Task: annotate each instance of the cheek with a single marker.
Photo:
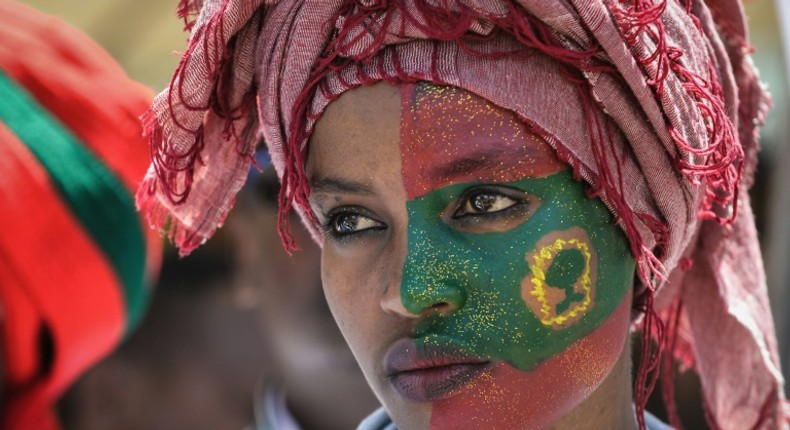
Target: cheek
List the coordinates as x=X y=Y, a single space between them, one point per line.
x=353 y=295
x=508 y=398
x=528 y=294
x=340 y=283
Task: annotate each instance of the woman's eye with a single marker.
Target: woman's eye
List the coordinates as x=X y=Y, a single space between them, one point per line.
x=485 y=202
x=349 y=223
x=490 y=208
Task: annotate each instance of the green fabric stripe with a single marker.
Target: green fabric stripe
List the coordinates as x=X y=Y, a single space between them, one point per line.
x=95 y=196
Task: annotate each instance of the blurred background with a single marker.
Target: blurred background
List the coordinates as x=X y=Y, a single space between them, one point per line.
x=238 y=335
x=195 y=361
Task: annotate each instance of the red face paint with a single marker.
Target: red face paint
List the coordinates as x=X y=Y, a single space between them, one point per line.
x=508 y=398
x=451 y=136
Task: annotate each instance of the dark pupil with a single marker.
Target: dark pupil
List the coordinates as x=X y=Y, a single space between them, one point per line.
x=346 y=223
x=483 y=202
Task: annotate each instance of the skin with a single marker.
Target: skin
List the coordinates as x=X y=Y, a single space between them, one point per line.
x=450 y=225
x=310 y=360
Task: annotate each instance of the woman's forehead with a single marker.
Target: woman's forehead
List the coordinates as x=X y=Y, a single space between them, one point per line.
x=356 y=140
x=450 y=135
x=439 y=134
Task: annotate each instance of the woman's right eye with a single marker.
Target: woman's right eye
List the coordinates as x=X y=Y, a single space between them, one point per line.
x=347 y=223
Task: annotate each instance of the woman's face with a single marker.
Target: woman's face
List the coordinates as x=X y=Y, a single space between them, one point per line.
x=473 y=278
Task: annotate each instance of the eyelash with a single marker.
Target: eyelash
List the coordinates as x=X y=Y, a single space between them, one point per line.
x=333 y=216
x=520 y=205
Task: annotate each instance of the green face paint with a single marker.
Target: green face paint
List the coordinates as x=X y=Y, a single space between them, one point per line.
x=496 y=279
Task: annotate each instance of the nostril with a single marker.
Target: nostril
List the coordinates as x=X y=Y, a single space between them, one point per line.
x=414 y=302
x=392 y=304
x=443 y=299
x=443 y=308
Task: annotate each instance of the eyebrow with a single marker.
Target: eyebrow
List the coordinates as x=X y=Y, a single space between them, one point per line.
x=336 y=185
x=469 y=164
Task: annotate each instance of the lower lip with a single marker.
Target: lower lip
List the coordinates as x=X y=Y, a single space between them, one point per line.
x=436 y=383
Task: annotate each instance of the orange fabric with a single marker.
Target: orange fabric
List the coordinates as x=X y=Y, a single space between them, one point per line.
x=49 y=280
x=88 y=84
x=19 y=335
x=74 y=79
x=52 y=274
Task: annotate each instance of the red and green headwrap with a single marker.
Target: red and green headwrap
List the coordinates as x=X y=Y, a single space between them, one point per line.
x=76 y=262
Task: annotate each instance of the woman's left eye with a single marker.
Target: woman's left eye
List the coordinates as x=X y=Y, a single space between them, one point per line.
x=484 y=202
x=490 y=208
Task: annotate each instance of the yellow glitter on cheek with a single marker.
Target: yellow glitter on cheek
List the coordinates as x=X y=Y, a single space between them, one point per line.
x=588 y=375
x=543 y=299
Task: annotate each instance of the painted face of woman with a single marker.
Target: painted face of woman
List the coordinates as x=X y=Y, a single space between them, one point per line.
x=475 y=281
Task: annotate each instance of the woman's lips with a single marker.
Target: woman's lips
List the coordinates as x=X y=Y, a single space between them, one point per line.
x=430 y=372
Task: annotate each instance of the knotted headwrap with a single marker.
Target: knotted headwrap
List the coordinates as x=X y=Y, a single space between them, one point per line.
x=76 y=260
x=654 y=103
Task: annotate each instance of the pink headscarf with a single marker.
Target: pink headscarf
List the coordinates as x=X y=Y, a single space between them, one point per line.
x=660 y=108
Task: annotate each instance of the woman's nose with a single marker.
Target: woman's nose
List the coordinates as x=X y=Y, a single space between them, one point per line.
x=433 y=278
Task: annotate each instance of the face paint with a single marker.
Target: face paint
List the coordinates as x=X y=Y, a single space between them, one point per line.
x=539 y=297
x=507 y=398
x=451 y=136
x=527 y=293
